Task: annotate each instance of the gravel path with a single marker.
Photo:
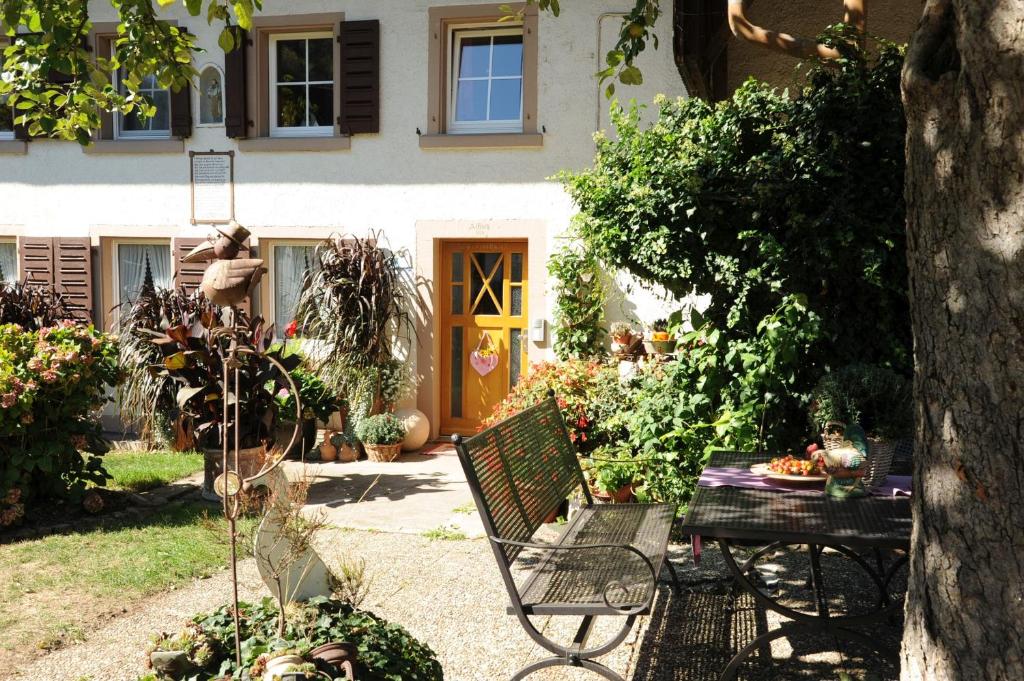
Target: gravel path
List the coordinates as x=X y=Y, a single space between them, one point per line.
x=449 y=595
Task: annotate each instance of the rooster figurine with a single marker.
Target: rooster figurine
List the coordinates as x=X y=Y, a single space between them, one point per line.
x=227 y=281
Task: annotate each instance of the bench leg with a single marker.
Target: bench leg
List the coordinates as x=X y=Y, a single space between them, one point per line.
x=675 y=578
x=576 y=655
x=590 y=665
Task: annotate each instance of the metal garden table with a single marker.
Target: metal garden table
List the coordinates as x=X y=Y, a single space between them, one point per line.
x=732 y=515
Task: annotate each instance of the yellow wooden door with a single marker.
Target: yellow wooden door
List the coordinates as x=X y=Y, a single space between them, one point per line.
x=481 y=292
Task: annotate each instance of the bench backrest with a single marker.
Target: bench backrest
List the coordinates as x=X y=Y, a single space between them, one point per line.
x=520 y=471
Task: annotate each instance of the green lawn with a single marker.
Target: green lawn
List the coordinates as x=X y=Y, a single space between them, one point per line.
x=54 y=589
x=140 y=471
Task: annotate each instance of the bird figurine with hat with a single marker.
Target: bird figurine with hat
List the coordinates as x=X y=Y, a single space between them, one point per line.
x=228 y=280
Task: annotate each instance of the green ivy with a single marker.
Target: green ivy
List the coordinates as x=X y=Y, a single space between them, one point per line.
x=579 y=303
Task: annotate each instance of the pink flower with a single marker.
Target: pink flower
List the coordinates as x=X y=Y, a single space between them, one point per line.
x=35 y=364
x=49 y=376
x=7 y=400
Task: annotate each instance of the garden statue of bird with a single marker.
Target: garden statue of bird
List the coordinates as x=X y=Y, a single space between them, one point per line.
x=227 y=281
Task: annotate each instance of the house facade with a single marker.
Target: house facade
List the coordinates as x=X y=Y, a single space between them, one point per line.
x=433 y=122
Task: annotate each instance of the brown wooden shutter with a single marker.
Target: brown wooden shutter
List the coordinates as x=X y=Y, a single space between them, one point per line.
x=35 y=260
x=360 y=77
x=236 y=118
x=186 y=275
x=73 y=274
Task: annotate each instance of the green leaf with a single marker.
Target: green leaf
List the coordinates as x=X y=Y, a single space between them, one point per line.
x=226 y=39
x=194 y=7
x=631 y=75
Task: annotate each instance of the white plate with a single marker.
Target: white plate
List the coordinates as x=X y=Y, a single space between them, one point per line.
x=762 y=469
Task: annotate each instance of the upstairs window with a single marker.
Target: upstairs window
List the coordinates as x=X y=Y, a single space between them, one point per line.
x=132 y=125
x=486 y=82
x=302 y=85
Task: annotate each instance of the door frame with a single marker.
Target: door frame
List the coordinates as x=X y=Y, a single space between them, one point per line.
x=430 y=234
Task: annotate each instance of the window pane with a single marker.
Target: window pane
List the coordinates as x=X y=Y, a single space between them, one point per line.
x=508 y=56
x=471 y=101
x=457 y=299
x=515 y=361
x=6 y=116
x=149 y=83
x=517 y=301
x=491 y=301
x=321 y=59
x=161 y=120
x=456 y=267
x=290 y=266
x=291 y=61
x=475 y=59
x=321 y=105
x=456 y=386
x=517 y=268
x=8 y=262
x=139 y=264
x=291 y=106
x=505 y=99
x=132 y=123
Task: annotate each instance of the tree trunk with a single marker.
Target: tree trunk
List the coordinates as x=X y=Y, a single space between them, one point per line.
x=964 y=92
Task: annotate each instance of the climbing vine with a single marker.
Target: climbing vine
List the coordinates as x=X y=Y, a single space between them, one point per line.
x=579 y=303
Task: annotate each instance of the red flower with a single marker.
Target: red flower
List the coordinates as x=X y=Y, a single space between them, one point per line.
x=291 y=329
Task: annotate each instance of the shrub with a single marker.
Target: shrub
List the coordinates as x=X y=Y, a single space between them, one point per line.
x=879 y=399
x=318 y=401
x=579 y=304
x=32 y=306
x=52 y=384
x=588 y=393
x=382 y=429
x=386 y=652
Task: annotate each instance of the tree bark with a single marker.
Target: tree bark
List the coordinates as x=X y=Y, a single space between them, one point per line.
x=964 y=93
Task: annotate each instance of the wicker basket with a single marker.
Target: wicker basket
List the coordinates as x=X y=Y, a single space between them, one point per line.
x=382 y=453
x=880 y=453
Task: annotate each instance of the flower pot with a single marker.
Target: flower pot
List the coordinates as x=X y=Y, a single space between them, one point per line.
x=382 y=453
x=278 y=665
x=347 y=453
x=171 y=663
x=304 y=442
x=619 y=496
x=335 y=658
x=328 y=452
x=250 y=461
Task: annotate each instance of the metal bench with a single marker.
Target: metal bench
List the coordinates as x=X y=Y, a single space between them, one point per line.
x=607 y=559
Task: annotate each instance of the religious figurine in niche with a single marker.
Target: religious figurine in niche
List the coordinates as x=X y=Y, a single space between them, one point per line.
x=213 y=94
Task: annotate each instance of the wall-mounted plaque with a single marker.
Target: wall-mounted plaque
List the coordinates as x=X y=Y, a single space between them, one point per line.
x=213 y=186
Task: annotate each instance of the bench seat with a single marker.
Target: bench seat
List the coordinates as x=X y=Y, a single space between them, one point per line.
x=574 y=582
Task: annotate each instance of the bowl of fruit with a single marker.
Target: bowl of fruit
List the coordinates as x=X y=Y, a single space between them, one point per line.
x=792 y=469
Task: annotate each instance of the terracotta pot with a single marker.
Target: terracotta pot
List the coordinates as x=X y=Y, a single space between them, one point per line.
x=382 y=453
x=619 y=496
x=335 y=658
x=249 y=463
x=328 y=452
x=347 y=453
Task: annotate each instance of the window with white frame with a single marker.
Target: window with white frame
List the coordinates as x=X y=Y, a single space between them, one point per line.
x=6 y=119
x=301 y=84
x=486 y=81
x=8 y=262
x=291 y=262
x=132 y=125
x=139 y=265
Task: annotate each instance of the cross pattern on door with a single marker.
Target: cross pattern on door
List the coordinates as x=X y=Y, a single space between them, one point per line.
x=487 y=280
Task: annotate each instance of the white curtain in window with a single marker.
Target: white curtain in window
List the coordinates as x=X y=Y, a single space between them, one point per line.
x=290 y=265
x=8 y=262
x=131 y=268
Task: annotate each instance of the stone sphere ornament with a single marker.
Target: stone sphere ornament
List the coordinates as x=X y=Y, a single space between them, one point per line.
x=417 y=429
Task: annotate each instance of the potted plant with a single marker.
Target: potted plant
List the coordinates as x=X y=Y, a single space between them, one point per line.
x=318 y=403
x=661 y=341
x=611 y=476
x=192 y=358
x=382 y=436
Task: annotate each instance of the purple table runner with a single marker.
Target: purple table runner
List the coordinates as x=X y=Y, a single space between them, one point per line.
x=893 y=485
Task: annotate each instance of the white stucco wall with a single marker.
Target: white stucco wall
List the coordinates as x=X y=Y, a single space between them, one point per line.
x=384 y=182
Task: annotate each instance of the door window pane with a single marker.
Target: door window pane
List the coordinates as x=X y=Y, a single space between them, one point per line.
x=291 y=263
x=515 y=363
x=140 y=265
x=457 y=267
x=517 y=268
x=8 y=263
x=486 y=283
x=456 y=386
x=516 y=303
x=457 y=299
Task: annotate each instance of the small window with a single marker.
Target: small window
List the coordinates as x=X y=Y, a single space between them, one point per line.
x=8 y=262
x=132 y=125
x=6 y=119
x=302 y=85
x=486 y=81
x=140 y=266
x=291 y=263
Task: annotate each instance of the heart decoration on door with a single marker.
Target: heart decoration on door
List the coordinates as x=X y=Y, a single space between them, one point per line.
x=485 y=358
